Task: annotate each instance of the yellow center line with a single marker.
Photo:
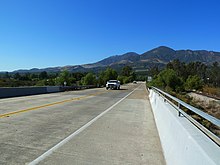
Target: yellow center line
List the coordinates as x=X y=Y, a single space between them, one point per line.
x=48 y=105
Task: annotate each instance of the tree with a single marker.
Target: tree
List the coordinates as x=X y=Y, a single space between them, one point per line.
x=126 y=71
x=214 y=74
x=179 y=67
x=154 y=71
x=193 y=83
x=127 y=75
x=168 y=79
x=6 y=75
x=17 y=76
x=25 y=77
x=89 y=79
x=63 y=77
x=34 y=76
x=196 y=68
x=101 y=79
x=72 y=80
x=78 y=75
x=43 y=75
x=110 y=74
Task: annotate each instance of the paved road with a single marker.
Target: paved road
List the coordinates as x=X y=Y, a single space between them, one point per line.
x=92 y=126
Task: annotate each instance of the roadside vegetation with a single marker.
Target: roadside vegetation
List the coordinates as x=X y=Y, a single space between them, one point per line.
x=181 y=80
x=126 y=75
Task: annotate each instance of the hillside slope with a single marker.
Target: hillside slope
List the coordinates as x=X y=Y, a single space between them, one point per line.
x=159 y=56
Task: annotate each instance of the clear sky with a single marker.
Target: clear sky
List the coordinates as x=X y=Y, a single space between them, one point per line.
x=46 y=33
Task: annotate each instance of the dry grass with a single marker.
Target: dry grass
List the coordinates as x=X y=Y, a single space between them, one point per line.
x=201 y=102
x=209 y=106
x=204 y=103
x=211 y=91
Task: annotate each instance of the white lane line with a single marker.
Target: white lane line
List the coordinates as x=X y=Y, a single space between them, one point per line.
x=64 y=141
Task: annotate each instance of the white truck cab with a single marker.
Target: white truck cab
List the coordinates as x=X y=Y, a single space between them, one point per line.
x=113 y=84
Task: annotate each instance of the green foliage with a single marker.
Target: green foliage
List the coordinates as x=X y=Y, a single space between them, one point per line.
x=108 y=74
x=171 y=79
x=168 y=79
x=15 y=83
x=41 y=83
x=127 y=75
x=100 y=80
x=121 y=79
x=63 y=77
x=194 y=74
x=126 y=71
x=25 y=77
x=179 y=67
x=154 y=71
x=17 y=76
x=141 y=77
x=39 y=79
x=125 y=79
x=196 y=68
x=158 y=82
x=89 y=79
x=193 y=83
x=6 y=75
x=128 y=79
x=78 y=76
x=213 y=77
x=72 y=80
x=46 y=82
x=43 y=75
x=184 y=70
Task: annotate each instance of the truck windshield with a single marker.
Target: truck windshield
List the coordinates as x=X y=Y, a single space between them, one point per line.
x=113 y=81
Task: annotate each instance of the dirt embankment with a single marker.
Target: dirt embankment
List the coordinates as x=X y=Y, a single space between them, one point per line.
x=209 y=105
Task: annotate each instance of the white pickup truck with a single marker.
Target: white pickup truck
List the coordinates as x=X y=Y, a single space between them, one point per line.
x=113 y=84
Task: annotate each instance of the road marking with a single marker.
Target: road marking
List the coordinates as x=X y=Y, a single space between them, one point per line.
x=64 y=141
x=48 y=105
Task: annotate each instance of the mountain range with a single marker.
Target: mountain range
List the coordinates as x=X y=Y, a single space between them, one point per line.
x=139 y=62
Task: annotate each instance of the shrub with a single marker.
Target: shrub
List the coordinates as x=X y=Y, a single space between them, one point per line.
x=193 y=83
x=168 y=79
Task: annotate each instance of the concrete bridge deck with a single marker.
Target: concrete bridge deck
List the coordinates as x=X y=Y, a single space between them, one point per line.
x=92 y=126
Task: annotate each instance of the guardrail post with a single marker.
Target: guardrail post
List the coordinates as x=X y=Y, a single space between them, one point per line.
x=179 y=113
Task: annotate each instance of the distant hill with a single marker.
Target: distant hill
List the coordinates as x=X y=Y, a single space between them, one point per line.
x=159 y=56
x=165 y=55
x=130 y=57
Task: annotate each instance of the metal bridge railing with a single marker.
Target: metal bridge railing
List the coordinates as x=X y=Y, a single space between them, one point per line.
x=170 y=99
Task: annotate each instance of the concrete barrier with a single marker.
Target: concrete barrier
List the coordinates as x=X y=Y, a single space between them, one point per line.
x=182 y=142
x=21 y=91
x=25 y=91
x=51 y=89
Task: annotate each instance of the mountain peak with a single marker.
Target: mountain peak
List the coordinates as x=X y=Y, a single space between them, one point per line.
x=129 y=57
x=163 y=48
x=159 y=53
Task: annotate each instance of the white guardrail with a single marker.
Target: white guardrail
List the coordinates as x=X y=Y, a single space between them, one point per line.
x=184 y=140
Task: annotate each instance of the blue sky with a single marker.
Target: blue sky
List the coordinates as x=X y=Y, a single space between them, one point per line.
x=46 y=33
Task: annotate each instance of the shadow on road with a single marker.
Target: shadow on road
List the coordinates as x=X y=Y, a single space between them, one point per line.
x=121 y=89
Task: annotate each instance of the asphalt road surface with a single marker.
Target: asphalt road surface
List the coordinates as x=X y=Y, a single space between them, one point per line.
x=94 y=126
